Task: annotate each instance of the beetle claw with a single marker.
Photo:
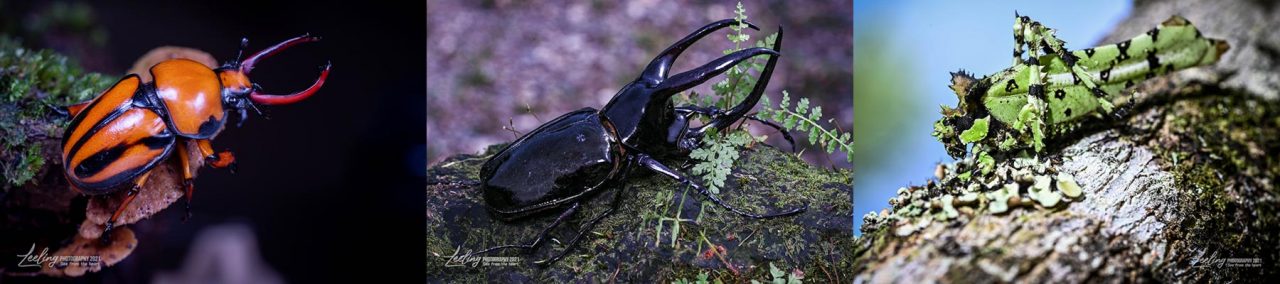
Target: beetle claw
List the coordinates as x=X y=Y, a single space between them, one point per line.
x=190 y=190
x=105 y=239
x=221 y=160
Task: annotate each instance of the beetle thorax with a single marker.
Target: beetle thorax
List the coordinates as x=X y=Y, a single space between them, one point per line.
x=640 y=116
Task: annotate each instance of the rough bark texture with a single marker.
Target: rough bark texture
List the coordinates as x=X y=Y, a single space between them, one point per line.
x=1182 y=189
x=629 y=246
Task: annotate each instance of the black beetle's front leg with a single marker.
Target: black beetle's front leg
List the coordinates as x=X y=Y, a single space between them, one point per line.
x=656 y=166
x=714 y=112
x=661 y=64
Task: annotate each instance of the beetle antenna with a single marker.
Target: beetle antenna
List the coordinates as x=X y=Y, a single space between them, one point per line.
x=255 y=109
x=253 y=105
x=244 y=43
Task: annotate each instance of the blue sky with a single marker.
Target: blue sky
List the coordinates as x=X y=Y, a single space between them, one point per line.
x=942 y=37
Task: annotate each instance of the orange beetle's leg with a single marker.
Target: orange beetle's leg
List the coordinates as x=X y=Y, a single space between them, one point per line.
x=133 y=192
x=185 y=156
x=220 y=160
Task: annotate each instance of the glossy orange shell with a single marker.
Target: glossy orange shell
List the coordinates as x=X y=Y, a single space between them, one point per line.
x=112 y=142
x=191 y=94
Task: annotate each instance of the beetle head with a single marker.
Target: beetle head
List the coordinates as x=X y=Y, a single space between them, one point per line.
x=643 y=109
x=239 y=92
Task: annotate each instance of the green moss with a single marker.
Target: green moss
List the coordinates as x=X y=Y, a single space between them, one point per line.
x=765 y=180
x=33 y=83
x=1224 y=155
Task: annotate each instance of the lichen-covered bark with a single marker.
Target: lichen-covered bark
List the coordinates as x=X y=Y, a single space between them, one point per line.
x=1182 y=189
x=628 y=245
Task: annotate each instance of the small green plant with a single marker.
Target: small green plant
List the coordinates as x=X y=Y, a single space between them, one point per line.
x=702 y=279
x=806 y=120
x=781 y=277
x=717 y=154
x=675 y=219
x=715 y=157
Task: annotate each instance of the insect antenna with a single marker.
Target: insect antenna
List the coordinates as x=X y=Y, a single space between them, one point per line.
x=244 y=43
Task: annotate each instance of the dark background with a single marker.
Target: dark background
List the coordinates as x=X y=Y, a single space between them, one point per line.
x=331 y=186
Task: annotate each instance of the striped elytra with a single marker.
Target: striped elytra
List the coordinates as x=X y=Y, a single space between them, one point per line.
x=112 y=141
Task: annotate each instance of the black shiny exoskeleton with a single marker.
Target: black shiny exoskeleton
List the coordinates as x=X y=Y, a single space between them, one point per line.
x=576 y=155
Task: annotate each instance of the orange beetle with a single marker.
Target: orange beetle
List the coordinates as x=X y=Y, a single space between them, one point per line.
x=118 y=137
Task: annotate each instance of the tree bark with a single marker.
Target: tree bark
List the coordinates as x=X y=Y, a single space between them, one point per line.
x=1182 y=189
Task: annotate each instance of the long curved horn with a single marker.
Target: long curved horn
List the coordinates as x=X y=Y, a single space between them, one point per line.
x=733 y=115
x=267 y=99
x=661 y=64
x=691 y=78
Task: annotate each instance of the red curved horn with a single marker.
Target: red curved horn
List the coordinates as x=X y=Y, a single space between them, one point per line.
x=248 y=63
x=268 y=99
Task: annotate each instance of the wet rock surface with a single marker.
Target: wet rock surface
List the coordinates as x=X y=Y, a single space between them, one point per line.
x=639 y=241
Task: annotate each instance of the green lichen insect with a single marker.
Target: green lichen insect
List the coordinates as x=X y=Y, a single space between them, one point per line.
x=1050 y=90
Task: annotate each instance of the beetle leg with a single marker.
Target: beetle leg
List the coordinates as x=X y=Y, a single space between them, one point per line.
x=714 y=112
x=133 y=192
x=583 y=231
x=661 y=64
x=541 y=236
x=185 y=156
x=650 y=163
x=219 y=160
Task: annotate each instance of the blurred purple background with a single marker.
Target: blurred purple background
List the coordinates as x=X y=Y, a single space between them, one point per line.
x=490 y=63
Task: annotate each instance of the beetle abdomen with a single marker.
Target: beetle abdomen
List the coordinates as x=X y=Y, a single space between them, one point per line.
x=559 y=162
x=192 y=95
x=112 y=141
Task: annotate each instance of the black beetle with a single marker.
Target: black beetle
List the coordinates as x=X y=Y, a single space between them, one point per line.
x=572 y=157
